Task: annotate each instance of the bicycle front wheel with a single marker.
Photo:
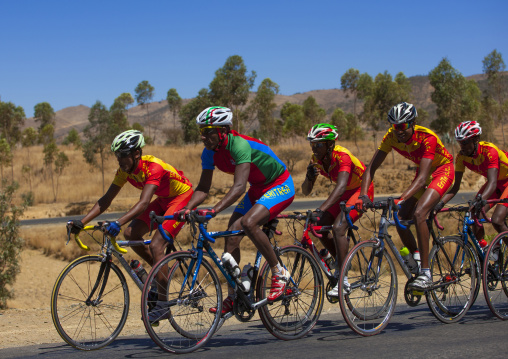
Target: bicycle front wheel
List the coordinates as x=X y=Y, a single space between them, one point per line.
x=90 y=303
x=495 y=276
x=297 y=312
x=186 y=323
x=454 y=277
x=369 y=302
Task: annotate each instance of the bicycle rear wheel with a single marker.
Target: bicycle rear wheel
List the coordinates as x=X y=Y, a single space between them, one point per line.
x=454 y=277
x=187 y=324
x=297 y=312
x=495 y=274
x=370 y=302
x=90 y=322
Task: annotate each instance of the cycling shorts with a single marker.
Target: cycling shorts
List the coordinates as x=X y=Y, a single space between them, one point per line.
x=276 y=197
x=167 y=206
x=351 y=196
x=440 y=180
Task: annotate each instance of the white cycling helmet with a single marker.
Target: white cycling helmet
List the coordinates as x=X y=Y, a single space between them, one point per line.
x=128 y=141
x=215 y=116
x=402 y=113
x=467 y=130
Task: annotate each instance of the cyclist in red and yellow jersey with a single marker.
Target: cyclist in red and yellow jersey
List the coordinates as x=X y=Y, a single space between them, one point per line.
x=488 y=160
x=345 y=170
x=434 y=176
x=154 y=178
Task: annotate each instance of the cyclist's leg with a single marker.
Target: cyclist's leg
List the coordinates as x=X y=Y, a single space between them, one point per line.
x=326 y=240
x=500 y=213
x=135 y=232
x=406 y=212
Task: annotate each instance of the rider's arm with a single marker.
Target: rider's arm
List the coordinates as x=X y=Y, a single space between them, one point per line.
x=242 y=172
x=202 y=190
x=144 y=200
x=455 y=188
x=337 y=192
x=102 y=204
x=374 y=164
x=491 y=183
x=308 y=184
x=419 y=182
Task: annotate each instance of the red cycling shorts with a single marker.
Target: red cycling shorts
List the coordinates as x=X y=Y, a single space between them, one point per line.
x=440 y=180
x=167 y=206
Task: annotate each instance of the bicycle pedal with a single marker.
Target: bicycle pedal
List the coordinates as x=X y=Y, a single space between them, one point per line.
x=155 y=324
x=417 y=292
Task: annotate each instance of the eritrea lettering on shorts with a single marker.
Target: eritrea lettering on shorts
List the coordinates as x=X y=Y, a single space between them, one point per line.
x=277 y=191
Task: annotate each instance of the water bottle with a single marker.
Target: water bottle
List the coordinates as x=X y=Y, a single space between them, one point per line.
x=139 y=270
x=409 y=259
x=246 y=279
x=327 y=257
x=416 y=257
x=230 y=264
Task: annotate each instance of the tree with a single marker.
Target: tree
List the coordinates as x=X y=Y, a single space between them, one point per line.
x=44 y=115
x=456 y=98
x=349 y=83
x=384 y=94
x=188 y=115
x=314 y=114
x=144 y=94
x=293 y=117
x=99 y=135
x=338 y=119
x=46 y=134
x=6 y=155
x=231 y=87
x=50 y=152
x=12 y=119
x=73 y=138
x=262 y=107
x=494 y=67
x=61 y=161
x=118 y=113
x=28 y=139
x=174 y=103
x=11 y=243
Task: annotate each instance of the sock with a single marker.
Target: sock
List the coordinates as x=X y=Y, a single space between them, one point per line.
x=278 y=269
x=425 y=271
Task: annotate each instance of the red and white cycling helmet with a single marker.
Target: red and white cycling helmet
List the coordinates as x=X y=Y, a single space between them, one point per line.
x=467 y=130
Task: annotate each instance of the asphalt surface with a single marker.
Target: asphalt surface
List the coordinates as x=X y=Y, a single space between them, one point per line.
x=411 y=333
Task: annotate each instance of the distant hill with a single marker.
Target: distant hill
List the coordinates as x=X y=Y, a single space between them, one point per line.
x=77 y=116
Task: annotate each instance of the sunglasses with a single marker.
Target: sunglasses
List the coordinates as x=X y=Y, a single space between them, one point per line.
x=122 y=154
x=317 y=144
x=466 y=142
x=208 y=130
x=401 y=126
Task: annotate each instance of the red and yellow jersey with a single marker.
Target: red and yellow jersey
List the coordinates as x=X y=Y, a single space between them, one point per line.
x=342 y=160
x=151 y=170
x=423 y=144
x=487 y=156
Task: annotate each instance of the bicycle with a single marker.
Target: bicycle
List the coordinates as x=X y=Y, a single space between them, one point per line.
x=90 y=298
x=309 y=227
x=495 y=269
x=193 y=287
x=370 y=269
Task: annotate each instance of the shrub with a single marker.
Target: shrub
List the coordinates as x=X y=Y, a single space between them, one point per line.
x=10 y=242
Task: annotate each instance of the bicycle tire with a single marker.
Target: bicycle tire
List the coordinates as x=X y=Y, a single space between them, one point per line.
x=495 y=274
x=92 y=325
x=369 y=304
x=294 y=315
x=478 y=266
x=453 y=290
x=188 y=324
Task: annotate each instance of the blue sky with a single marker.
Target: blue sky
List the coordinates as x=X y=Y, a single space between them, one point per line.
x=69 y=53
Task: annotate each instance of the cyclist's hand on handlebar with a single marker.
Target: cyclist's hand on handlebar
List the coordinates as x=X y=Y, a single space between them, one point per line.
x=439 y=206
x=317 y=215
x=361 y=202
x=478 y=203
x=75 y=226
x=206 y=212
x=181 y=214
x=113 y=228
x=312 y=172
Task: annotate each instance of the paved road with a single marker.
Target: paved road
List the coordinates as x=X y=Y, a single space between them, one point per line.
x=298 y=205
x=412 y=333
